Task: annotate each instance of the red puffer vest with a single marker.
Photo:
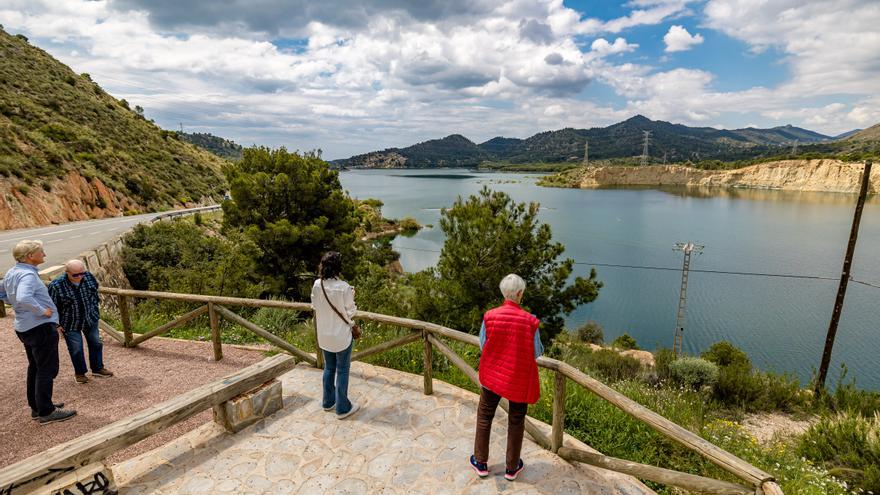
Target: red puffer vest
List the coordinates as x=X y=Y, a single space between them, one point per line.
x=507 y=366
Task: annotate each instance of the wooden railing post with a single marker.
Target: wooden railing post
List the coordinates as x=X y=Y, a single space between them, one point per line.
x=558 y=412
x=215 y=332
x=319 y=355
x=429 y=364
x=2 y=309
x=126 y=319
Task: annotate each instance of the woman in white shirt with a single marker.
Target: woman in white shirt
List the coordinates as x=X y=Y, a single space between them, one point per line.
x=333 y=300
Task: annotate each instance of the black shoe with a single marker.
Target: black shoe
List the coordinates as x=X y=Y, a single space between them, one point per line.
x=511 y=474
x=57 y=415
x=35 y=415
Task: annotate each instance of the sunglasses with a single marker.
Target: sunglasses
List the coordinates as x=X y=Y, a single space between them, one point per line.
x=77 y=274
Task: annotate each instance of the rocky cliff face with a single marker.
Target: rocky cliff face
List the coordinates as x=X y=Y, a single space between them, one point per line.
x=70 y=198
x=790 y=175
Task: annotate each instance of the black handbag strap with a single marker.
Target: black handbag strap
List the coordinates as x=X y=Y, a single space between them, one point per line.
x=331 y=304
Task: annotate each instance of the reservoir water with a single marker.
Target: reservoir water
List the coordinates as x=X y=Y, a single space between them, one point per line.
x=780 y=322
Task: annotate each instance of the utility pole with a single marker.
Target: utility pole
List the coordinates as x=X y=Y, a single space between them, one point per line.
x=586 y=153
x=688 y=248
x=647 y=140
x=844 y=279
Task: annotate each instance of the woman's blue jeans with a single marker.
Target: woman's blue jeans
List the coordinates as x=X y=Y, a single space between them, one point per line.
x=336 y=368
x=74 y=340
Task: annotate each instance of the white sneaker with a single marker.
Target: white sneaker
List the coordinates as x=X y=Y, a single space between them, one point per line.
x=354 y=409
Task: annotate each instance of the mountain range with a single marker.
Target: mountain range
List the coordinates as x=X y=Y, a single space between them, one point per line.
x=667 y=142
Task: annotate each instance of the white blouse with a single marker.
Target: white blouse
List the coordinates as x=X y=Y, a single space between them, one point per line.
x=334 y=334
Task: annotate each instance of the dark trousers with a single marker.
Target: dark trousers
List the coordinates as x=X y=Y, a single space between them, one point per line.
x=41 y=346
x=74 y=340
x=516 y=424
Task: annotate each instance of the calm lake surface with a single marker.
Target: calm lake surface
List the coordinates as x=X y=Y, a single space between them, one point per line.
x=780 y=322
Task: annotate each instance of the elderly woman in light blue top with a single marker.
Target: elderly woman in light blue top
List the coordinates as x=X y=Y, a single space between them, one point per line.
x=36 y=325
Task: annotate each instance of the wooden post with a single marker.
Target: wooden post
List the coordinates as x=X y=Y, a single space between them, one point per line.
x=429 y=364
x=215 y=332
x=126 y=319
x=844 y=279
x=558 y=412
x=319 y=355
x=2 y=309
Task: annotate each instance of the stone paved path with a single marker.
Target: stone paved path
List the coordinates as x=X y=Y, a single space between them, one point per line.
x=400 y=442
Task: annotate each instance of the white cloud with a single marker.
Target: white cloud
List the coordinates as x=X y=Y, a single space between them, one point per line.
x=678 y=39
x=602 y=47
x=366 y=76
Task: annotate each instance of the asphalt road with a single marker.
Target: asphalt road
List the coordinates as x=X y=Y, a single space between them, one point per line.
x=65 y=241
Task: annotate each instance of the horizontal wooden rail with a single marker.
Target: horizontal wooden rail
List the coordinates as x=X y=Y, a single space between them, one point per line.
x=196 y=298
x=253 y=327
x=168 y=326
x=691 y=482
x=384 y=346
x=42 y=468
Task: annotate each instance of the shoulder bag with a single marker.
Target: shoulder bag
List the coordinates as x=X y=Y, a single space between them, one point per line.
x=355 y=328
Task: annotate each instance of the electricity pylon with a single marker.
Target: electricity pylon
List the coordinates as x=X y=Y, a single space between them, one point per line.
x=688 y=248
x=645 y=147
x=586 y=153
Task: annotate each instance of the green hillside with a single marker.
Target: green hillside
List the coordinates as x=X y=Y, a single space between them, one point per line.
x=54 y=122
x=222 y=147
x=622 y=141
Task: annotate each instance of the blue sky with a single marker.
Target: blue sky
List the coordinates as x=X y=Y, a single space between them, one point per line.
x=351 y=77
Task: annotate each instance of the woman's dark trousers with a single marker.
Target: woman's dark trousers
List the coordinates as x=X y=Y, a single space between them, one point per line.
x=516 y=423
x=41 y=345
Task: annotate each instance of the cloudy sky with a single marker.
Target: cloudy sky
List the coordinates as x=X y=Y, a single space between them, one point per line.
x=350 y=77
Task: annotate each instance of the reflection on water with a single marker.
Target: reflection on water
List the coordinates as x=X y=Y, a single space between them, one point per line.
x=775 y=195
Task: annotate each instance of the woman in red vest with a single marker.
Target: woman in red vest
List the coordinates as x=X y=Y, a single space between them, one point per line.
x=510 y=343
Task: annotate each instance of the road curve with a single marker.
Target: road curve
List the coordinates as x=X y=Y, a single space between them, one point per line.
x=65 y=241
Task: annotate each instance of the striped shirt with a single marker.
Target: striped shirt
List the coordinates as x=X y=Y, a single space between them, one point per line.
x=77 y=303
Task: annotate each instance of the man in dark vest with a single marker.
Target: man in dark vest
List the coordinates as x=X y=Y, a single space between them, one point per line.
x=75 y=293
x=510 y=343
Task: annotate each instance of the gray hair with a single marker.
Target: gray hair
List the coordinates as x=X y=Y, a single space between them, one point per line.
x=512 y=285
x=25 y=248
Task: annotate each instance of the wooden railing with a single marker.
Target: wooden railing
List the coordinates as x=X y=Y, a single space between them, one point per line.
x=755 y=480
x=31 y=475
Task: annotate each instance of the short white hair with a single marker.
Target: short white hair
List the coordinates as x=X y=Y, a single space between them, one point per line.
x=25 y=248
x=512 y=285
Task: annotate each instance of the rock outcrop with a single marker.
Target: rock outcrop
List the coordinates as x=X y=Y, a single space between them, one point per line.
x=70 y=198
x=791 y=175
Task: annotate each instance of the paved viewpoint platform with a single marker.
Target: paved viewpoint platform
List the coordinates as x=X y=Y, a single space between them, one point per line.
x=400 y=442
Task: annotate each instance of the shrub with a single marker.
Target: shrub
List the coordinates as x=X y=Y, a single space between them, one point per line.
x=740 y=386
x=663 y=357
x=409 y=224
x=693 y=372
x=847 y=397
x=197 y=218
x=70 y=80
x=591 y=333
x=848 y=444
x=23 y=189
x=726 y=354
x=612 y=366
x=626 y=342
x=46 y=186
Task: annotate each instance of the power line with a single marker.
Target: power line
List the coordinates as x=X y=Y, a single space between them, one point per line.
x=672 y=269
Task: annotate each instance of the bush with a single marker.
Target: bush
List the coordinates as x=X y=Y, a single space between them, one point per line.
x=625 y=342
x=23 y=189
x=663 y=357
x=693 y=372
x=740 y=386
x=591 y=333
x=848 y=445
x=409 y=224
x=848 y=398
x=726 y=354
x=612 y=366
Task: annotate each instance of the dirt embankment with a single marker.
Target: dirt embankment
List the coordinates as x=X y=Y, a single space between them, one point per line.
x=789 y=175
x=70 y=198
